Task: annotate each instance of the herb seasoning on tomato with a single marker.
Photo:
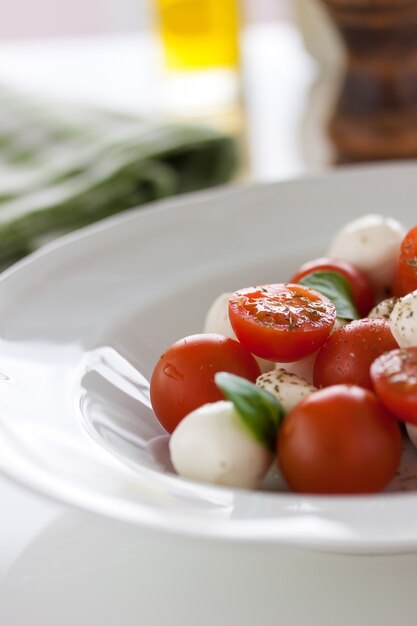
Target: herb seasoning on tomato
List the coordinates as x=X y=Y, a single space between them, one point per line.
x=394 y=375
x=347 y=356
x=281 y=322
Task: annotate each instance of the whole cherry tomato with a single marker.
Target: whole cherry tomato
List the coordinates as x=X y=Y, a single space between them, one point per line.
x=339 y=440
x=347 y=355
x=183 y=378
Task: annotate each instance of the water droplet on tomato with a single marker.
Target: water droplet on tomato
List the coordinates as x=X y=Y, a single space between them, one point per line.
x=172 y=372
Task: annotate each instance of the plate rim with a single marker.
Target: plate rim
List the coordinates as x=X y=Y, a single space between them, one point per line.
x=179 y=524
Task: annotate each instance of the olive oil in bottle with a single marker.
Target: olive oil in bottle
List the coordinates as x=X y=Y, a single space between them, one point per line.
x=199 y=34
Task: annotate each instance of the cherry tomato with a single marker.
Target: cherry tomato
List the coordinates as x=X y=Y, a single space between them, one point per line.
x=347 y=355
x=183 y=378
x=281 y=322
x=405 y=279
x=394 y=375
x=362 y=293
x=339 y=440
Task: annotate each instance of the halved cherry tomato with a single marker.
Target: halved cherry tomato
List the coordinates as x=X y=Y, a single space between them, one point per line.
x=405 y=279
x=347 y=355
x=282 y=322
x=339 y=440
x=183 y=378
x=394 y=375
x=362 y=293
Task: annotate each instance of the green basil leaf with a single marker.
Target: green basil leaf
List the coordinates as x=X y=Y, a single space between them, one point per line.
x=259 y=409
x=335 y=287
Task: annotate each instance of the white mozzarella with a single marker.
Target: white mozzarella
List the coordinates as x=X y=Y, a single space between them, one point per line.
x=286 y=386
x=403 y=320
x=212 y=444
x=371 y=243
x=303 y=368
x=217 y=318
x=264 y=365
x=339 y=323
x=217 y=321
x=412 y=433
x=383 y=309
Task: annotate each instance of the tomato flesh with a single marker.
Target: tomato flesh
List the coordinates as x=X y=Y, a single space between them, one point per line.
x=394 y=375
x=281 y=322
x=347 y=355
x=183 y=378
x=339 y=440
x=362 y=292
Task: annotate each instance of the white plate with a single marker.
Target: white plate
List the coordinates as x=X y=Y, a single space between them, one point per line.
x=83 y=321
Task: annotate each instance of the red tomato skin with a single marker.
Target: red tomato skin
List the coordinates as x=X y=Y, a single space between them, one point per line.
x=183 y=378
x=339 y=440
x=346 y=357
x=405 y=280
x=362 y=292
x=283 y=337
x=394 y=376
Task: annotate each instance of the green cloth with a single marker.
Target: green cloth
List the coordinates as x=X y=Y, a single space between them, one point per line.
x=64 y=167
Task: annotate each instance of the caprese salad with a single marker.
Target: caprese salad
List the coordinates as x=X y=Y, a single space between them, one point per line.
x=315 y=374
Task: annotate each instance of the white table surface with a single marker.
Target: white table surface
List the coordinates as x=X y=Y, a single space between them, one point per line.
x=61 y=567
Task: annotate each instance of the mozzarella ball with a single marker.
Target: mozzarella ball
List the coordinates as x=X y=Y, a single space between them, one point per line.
x=217 y=318
x=217 y=321
x=403 y=320
x=371 y=243
x=339 y=323
x=383 y=309
x=286 y=386
x=212 y=444
x=303 y=368
x=412 y=433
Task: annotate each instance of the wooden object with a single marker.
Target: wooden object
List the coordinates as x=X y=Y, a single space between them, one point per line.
x=376 y=112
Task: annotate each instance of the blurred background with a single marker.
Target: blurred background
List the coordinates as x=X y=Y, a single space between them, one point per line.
x=111 y=53
x=43 y=18
x=257 y=89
